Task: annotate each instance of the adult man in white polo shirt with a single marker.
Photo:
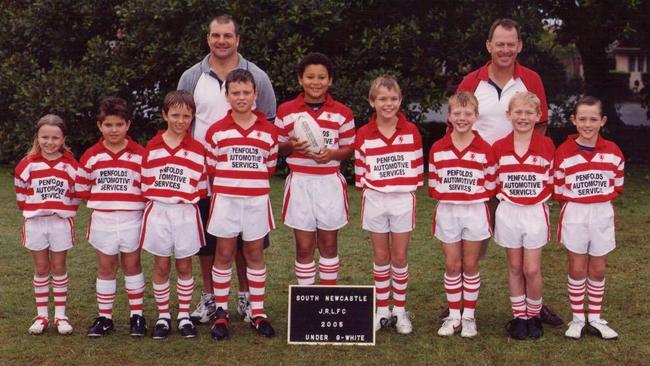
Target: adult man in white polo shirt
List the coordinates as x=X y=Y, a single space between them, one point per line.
x=493 y=85
x=205 y=80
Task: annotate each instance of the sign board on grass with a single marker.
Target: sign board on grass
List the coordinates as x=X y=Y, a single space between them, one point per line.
x=331 y=315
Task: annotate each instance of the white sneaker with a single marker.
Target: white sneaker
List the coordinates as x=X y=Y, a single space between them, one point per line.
x=600 y=328
x=200 y=314
x=382 y=320
x=39 y=325
x=449 y=326
x=576 y=328
x=244 y=308
x=403 y=322
x=63 y=326
x=469 y=328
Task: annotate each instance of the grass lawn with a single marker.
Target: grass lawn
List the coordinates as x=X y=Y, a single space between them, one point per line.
x=626 y=305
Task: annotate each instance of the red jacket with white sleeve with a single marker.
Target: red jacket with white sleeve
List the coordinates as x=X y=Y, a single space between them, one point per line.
x=588 y=176
x=240 y=162
x=46 y=187
x=462 y=177
x=111 y=181
x=392 y=164
x=174 y=175
x=527 y=179
x=336 y=122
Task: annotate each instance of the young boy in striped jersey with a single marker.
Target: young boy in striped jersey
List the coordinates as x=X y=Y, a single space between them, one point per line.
x=108 y=179
x=315 y=201
x=588 y=176
x=524 y=183
x=242 y=154
x=174 y=178
x=388 y=167
x=462 y=180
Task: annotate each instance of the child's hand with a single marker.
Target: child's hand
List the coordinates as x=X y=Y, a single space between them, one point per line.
x=323 y=157
x=300 y=146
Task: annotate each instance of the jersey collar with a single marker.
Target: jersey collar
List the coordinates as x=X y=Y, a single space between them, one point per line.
x=329 y=101
x=373 y=129
x=484 y=75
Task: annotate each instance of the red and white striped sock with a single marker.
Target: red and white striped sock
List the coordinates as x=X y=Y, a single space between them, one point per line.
x=41 y=294
x=454 y=291
x=382 y=285
x=596 y=291
x=134 y=286
x=257 y=286
x=161 y=294
x=328 y=270
x=471 y=285
x=221 y=286
x=400 y=283
x=518 y=304
x=577 y=290
x=184 y=291
x=105 y=290
x=305 y=272
x=60 y=294
x=533 y=307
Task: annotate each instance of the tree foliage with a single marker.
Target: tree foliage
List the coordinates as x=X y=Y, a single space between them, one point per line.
x=64 y=56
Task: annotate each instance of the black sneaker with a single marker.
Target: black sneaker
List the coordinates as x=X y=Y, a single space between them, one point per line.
x=535 y=329
x=550 y=318
x=162 y=329
x=187 y=330
x=517 y=328
x=262 y=326
x=138 y=326
x=100 y=327
x=219 y=328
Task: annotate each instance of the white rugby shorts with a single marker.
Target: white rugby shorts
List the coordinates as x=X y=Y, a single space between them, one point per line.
x=455 y=222
x=171 y=229
x=112 y=232
x=518 y=226
x=230 y=216
x=43 y=232
x=314 y=201
x=587 y=228
x=392 y=212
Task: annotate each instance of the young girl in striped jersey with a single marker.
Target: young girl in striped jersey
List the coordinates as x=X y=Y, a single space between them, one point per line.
x=588 y=176
x=109 y=180
x=524 y=184
x=44 y=182
x=461 y=179
x=388 y=167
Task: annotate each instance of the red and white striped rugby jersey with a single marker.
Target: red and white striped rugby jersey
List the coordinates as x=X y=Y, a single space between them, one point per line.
x=174 y=175
x=462 y=177
x=240 y=161
x=588 y=176
x=111 y=181
x=492 y=123
x=392 y=164
x=334 y=118
x=46 y=187
x=527 y=179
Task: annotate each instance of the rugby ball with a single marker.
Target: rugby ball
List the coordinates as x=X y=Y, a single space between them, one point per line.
x=307 y=129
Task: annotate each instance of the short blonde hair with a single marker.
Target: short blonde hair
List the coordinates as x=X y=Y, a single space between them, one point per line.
x=388 y=82
x=463 y=99
x=526 y=98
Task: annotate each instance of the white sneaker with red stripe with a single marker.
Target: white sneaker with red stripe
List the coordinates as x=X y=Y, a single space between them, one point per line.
x=39 y=326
